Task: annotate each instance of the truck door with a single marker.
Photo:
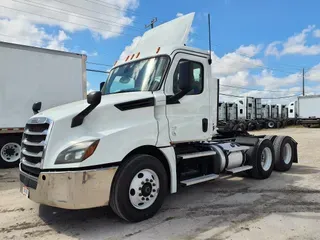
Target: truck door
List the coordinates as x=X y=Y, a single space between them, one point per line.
x=189 y=117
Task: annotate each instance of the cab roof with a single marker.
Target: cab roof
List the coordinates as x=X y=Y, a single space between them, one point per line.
x=163 y=39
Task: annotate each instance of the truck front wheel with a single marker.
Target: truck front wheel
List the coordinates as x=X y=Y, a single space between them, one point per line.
x=10 y=150
x=139 y=188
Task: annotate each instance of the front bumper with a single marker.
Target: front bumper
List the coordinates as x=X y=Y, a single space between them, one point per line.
x=69 y=189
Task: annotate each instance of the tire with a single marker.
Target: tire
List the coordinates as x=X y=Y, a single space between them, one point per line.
x=271 y=137
x=250 y=126
x=254 y=155
x=284 y=153
x=242 y=126
x=278 y=124
x=10 y=149
x=271 y=124
x=123 y=199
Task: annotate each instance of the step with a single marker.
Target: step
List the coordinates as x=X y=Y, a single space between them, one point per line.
x=201 y=179
x=197 y=154
x=239 y=169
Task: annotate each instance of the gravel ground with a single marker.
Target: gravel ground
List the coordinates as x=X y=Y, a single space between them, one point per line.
x=285 y=206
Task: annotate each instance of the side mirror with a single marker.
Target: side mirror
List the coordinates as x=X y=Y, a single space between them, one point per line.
x=36 y=107
x=101 y=85
x=185 y=76
x=94 y=98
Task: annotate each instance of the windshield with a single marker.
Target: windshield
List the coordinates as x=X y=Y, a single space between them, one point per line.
x=143 y=75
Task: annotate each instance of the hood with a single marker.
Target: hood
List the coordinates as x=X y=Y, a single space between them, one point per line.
x=72 y=109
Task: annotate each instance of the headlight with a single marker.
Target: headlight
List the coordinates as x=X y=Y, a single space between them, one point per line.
x=77 y=152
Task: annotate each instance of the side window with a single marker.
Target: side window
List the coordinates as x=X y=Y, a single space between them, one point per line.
x=121 y=83
x=197 y=78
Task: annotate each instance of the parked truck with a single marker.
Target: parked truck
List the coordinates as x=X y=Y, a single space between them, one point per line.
x=308 y=110
x=150 y=131
x=29 y=75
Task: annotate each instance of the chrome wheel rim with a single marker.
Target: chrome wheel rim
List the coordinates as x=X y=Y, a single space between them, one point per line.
x=287 y=153
x=266 y=159
x=144 y=189
x=10 y=152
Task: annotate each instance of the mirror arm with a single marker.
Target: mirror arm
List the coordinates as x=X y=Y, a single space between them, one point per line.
x=175 y=98
x=78 y=119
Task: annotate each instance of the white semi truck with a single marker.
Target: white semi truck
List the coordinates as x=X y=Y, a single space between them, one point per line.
x=29 y=75
x=149 y=131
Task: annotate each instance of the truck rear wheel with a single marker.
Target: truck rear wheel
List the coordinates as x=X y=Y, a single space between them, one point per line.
x=10 y=149
x=139 y=188
x=271 y=124
x=284 y=153
x=262 y=159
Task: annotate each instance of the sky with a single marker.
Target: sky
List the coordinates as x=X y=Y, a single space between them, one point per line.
x=259 y=48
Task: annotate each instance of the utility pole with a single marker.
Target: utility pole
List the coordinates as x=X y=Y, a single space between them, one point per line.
x=303 y=82
x=152 y=23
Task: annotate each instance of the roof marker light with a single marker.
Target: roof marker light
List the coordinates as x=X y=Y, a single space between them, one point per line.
x=132 y=56
x=127 y=58
x=138 y=55
x=158 y=50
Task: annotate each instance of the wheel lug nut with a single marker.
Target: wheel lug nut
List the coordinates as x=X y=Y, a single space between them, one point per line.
x=153 y=190
x=143 y=199
x=142 y=183
x=154 y=184
x=151 y=180
x=151 y=195
x=147 y=180
x=139 y=188
x=140 y=194
x=147 y=199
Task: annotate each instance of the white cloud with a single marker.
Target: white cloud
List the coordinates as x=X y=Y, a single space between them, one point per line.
x=105 y=19
x=272 y=49
x=90 y=54
x=179 y=14
x=270 y=82
x=239 y=79
x=295 y=44
x=23 y=32
x=250 y=50
x=232 y=63
x=316 y=33
x=90 y=90
x=313 y=74
x=57 y=42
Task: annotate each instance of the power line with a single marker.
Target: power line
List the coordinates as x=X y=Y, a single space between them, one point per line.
x=113 y=6
x=254 y=89
x=94 y=70
x=151 y=25
x=104 y=21
x=90 y=10
x=79 y=24
x=100 y=64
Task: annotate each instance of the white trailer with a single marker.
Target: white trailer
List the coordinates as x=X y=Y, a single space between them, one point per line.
x=147 y=133
x=29 y=75
x=308 y=110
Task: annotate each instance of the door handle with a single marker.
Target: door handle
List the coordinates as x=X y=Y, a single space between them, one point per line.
x=204 y=124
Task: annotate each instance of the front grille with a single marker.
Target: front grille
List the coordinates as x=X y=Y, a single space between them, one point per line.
x=34 y=141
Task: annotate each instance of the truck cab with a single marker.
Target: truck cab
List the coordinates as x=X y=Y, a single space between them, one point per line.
x=148 y=131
